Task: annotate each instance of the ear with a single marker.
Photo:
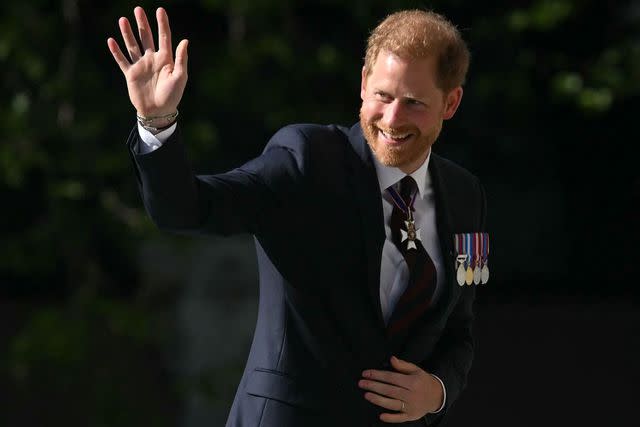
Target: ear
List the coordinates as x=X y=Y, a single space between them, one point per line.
x=452 y=102
x=363 y=83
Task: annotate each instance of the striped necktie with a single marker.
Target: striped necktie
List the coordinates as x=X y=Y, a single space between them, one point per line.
x=417 y=296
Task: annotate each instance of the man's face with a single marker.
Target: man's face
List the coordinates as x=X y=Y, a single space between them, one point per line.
x=403 y=109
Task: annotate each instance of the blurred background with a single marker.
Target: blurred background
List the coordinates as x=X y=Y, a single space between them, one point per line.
x=106 y=321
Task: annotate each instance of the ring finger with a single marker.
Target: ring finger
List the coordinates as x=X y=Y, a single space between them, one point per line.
x=129 y=40
x=384 y=402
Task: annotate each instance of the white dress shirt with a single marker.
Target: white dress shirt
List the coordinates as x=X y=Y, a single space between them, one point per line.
x=394 y=272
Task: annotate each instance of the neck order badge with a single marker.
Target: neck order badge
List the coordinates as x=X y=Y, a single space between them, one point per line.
x=412 y=234
x=472 y=259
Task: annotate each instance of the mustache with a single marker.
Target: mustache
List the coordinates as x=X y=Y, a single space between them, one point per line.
x=403 y=130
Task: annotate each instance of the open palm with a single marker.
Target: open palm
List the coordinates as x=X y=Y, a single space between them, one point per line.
x=154 y=81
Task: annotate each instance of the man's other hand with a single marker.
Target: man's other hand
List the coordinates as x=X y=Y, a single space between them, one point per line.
x=410 y=392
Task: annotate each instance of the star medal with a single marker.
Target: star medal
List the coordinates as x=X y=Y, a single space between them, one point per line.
x=412 y=234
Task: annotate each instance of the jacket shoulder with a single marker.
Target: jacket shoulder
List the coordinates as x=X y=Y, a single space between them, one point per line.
x=306 y=135
x=451 y=170
x=311 y=144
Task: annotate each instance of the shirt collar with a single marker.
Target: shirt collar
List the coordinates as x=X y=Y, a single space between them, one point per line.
x=388 y=175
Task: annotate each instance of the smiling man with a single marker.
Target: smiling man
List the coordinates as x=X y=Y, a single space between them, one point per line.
x=359 y=231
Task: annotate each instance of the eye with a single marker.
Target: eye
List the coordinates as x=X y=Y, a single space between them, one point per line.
x=383 y=96
x=414 y=102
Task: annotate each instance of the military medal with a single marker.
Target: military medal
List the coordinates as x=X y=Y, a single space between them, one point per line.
x=484 y=274
x=472 y=260
x=468 y=276
x=460 y=272
x=412 y=234
x=476 y=258
x=460 y=259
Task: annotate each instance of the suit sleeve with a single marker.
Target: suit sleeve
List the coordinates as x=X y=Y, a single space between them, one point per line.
x=452 y=357
x=247 y=199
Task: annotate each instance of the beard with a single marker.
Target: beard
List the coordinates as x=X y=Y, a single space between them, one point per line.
x=414 y=150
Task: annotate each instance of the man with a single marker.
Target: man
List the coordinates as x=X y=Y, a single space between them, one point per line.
x=361 y=322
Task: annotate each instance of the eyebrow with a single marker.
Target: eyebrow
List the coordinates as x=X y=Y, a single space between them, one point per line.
x=405 y=97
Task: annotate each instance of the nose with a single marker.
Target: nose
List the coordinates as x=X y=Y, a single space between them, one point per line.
x=393 y=116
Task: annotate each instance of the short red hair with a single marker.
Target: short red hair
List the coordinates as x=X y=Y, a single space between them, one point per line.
x=416 y=34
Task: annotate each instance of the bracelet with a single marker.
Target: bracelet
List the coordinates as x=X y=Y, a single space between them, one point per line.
x=148 y=121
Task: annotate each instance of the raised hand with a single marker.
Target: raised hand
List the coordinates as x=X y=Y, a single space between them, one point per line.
x=154 y=81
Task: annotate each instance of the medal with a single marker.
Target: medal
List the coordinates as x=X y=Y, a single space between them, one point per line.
x=460 y=259
x=476 y=257
x=472 y=260
x=477 y=274
x=484 y=274
x=468 y=277
x=412 y=234
x=460 y=271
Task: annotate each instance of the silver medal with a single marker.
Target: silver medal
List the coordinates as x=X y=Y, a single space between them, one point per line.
x=461 y=273
x=484 y=275
x=477 y=275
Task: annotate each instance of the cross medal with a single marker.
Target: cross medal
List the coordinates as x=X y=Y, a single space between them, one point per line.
x=412 y=234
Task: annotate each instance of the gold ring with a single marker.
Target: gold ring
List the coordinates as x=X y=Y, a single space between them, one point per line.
x=402 y=409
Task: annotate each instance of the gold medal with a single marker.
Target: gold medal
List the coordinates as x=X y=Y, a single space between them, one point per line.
x=468 y=278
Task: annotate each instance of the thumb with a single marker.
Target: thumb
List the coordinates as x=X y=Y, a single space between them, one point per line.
x=403 y=366
x=180 y=65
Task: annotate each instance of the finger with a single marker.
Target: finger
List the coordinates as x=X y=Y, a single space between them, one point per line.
x=395 y=418
x=164 y=31
x=404 y=366
x=121 y=60
x=384 y=402
x=129 y=40
x=144 y=29
x=180 y=66
x=383 y=389
x=388 y=377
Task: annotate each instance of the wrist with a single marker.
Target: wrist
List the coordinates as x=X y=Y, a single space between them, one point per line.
x=440 y=395
x=157 y=123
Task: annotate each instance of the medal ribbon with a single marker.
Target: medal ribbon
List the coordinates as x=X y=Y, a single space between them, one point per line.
x=485 y=247
x=400 y=203
x=476 y=251
x=468 y=247
x=487 y=235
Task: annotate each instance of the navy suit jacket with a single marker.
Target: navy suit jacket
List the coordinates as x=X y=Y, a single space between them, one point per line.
x=313 y=203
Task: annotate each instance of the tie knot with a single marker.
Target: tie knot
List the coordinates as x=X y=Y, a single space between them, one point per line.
x=408 y=187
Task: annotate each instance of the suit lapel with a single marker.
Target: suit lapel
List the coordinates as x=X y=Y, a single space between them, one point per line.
x=367 y=192
x=443 y=223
